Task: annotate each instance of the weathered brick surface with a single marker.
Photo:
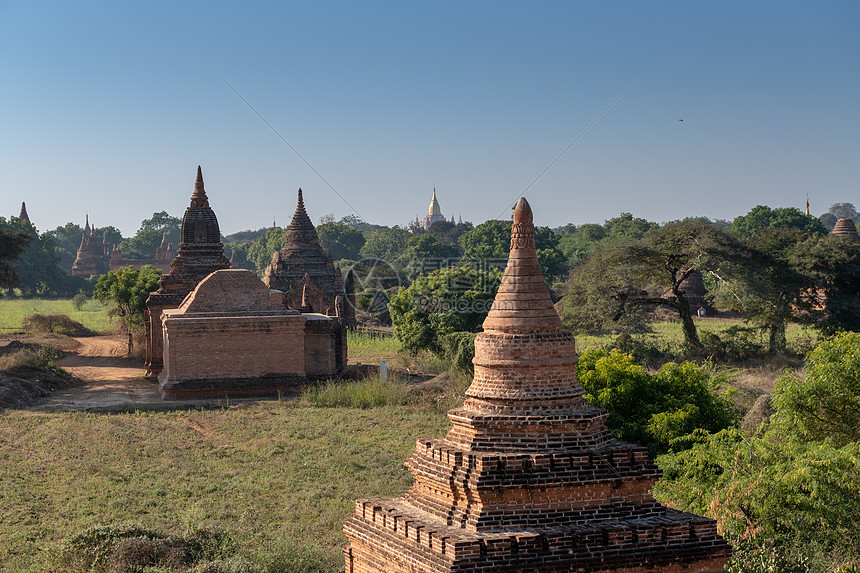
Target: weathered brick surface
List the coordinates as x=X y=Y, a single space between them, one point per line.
x=528 y=480
x=232 y=335
x=305 y=273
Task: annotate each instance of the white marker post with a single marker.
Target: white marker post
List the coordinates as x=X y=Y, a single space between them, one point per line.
x=383 y=371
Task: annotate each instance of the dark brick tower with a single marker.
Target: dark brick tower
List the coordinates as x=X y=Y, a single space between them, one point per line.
x=303 y=268
x=200 y=253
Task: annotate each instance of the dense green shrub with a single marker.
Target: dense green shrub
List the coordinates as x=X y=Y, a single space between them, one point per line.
x=459 y=348
x=823 y=403
x=777 y=497
x=653 y=410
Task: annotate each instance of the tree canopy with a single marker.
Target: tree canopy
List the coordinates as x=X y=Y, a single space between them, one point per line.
x=443 y=302
x=340 y=241
x=128 y=288
x=762 y=217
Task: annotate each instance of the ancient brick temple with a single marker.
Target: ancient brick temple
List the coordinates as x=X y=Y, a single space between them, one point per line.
x=528 y=479
x=93 y=256
x=200 y=253
x=303 y=270
x=232 y=335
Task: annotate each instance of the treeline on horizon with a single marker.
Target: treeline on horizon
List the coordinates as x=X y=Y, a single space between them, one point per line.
x=42 y=268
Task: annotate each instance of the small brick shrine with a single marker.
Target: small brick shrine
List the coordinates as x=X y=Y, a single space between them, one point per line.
x=232 y=335
x=306 y=274
x=529 y=479
x=200 y=253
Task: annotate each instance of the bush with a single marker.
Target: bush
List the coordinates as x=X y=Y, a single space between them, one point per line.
x=459 y=348
x=79 y=300
x=54 y=323
x=370 y=392
x=131 y=549
x=655 y=411
x=779 y=497
x=824 y=403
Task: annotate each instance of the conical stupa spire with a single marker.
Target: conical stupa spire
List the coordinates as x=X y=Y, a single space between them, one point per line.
x=523 y=303
x=24 y=216
x=87 y=226
x=199 y=200
x=300 y=217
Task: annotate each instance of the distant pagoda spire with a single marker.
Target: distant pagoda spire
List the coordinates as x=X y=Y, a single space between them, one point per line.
x=87 y=226
x=24 y=216
x=434 y=205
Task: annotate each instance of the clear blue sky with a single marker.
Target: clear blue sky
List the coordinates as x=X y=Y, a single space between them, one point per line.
x=108 y=108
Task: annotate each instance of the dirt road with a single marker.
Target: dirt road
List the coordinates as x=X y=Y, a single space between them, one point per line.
x=110 y=379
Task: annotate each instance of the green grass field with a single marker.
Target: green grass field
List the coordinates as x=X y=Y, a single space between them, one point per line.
x=274 y=473
x=93 y=314
x=671 y=333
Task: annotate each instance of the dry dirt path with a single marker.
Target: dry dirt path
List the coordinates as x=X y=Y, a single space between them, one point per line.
x=110 y=380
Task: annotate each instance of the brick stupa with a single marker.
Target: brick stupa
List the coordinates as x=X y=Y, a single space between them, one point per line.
x=303 y=271
x=93 y=256
x=528 y=479
x=846 y=229
x=200 y=253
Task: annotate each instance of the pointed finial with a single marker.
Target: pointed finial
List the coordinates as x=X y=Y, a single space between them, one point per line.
x=23 y=216
x=199 y=189
x=523 y=212
x=87 y=226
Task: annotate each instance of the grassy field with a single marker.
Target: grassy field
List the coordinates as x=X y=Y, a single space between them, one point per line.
x=670 y=333
x=274 y=473
x=93 y=314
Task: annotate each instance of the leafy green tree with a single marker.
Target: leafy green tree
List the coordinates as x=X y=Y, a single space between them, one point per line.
x=763 y=217
x=449 y=233
x=128 y=288
x=828 y=220
x=773 y=290
x=586 y=239
x=38 y=271
x=769 y=488
x=833 y=265
x=359 y=224
x=669 y=255
x=425 y=253
x=824 y=402
x=844 y=211
x=492 y=241
x=340 y=241
x=615 y=282
x=387 y=243
x=12 y=244
x=67 y=239
x=442 y=302
x=601 y=296
x=657 y=411
x=261 y=250
x=149 y=236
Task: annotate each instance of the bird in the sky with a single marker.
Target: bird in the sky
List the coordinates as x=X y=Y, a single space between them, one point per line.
x=681 y=120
